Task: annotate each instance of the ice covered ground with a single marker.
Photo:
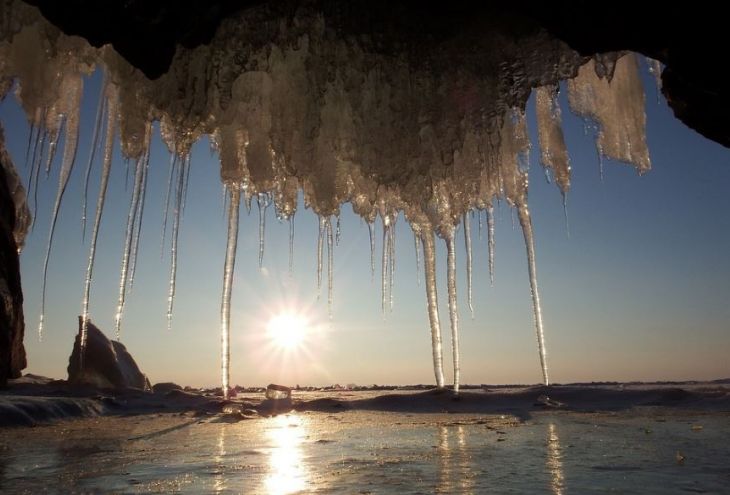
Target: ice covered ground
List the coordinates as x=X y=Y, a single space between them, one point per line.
x=393 y=444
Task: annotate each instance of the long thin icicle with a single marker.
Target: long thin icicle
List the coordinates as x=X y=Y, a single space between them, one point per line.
x=391 y=259
x=140 y=214
x=429 y=265
x=372 y=251
x=98 y=122
x=168 y=195
x=70 y=146
x=418 y=258
x=291 y=243
x=320 y=242
x=453 y=308
x=111 y=118
x=330 y=267
x=128 y=244
x=526 y=223
x=177 y=213
x=490 y=242
x=228 y=271
x=262 y=199
x=384 y=268
x=467 y=246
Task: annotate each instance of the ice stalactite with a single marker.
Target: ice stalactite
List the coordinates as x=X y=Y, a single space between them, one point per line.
x=467 y=247
x=385 y=268
x=490 y=241
x=372 y=250
x=320 y=248
x=228 y=271
x=526 y=223
x=453 y=306
x=391 y=258
x=168 y=196
x=618 y=109
x=128 y=243
x=429 y=266
x=418 y=257
x=330 y=268
x=108 y=145
x=176 y=215
x=338 y=231
x=186 y=185
x=262 y=200
x=140 y=215
x=134 y=220
x=98 y=122
x=553 y=152
x=290 y=219
x=72 y=90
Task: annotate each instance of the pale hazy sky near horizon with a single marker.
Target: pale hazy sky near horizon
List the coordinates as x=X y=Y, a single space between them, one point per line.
x=639 y=290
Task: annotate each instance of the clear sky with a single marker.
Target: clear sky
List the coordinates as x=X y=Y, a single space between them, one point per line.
x=639 y=290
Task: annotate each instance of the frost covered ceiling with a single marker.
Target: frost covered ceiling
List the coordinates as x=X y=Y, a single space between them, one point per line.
x=689 y=38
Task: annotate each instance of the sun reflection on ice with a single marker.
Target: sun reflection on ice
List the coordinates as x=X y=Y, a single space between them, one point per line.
x=555 y=461
x=287 y=474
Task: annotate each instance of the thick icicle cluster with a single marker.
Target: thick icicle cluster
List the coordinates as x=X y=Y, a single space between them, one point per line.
x=289 y=105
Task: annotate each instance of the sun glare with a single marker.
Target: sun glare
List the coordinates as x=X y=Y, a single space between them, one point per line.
x=287 y=330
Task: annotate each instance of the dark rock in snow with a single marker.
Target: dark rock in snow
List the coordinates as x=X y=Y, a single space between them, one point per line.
x=165 y=387
x=107 y=363
x=12 y=326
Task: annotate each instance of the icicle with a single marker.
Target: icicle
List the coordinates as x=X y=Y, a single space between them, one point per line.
x=140 y=214
x=35 y=178
x=173 y=163
x=126 y=174
x=467 y=246
x=262 y=199
x=553 y=153
x=418 y=258
x=128 y=243
x=565 y=214
x=228 y=270
x=320 y=241
x=372 y=251
x=429 y=265
x=526 y=223
x=479 y=216
x=384 y=268
x=330 y=267
x=54 y=132
x=67 y=163
x=391 y=258
x=291 y=243
x=187 y=182
x=490 y=242
x=111 y=118
x=177 y=213
x=31 y=134
x=338 y=231
x=453 y=308
x=98 y=121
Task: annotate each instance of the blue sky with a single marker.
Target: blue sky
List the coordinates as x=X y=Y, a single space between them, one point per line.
x=639 y=290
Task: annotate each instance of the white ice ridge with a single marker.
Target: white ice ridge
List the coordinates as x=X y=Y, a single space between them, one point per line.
x=308 y=110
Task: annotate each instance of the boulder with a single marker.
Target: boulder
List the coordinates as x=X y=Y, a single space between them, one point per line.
x=12 y=326
x=107 y=363
x=165 y=387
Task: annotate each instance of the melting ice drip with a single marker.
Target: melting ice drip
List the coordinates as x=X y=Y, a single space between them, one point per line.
x=309 y=111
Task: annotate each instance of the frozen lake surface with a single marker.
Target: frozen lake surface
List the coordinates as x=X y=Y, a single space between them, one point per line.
x=647 y=449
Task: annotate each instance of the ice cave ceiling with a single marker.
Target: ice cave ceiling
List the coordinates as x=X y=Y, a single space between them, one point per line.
x=394 y=107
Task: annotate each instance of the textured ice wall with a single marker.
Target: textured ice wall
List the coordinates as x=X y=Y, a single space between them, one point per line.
x=290 y=105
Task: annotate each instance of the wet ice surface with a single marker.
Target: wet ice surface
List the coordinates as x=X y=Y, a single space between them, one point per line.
x=642 y=450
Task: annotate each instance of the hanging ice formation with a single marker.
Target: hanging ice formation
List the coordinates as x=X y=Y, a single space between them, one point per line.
x=297 y=108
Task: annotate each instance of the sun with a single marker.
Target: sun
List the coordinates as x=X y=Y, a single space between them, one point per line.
x=287 y=330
